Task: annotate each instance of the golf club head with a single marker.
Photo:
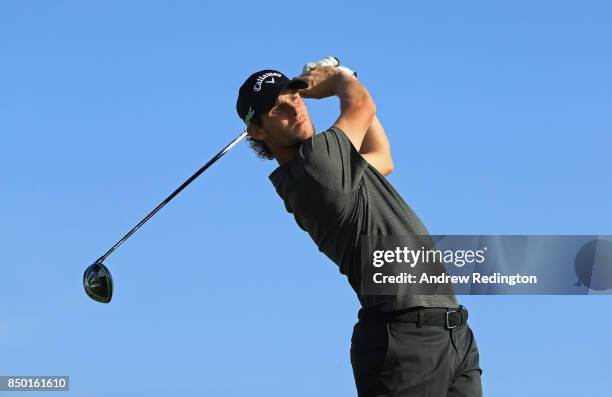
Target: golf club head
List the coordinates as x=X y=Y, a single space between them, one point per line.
x=98 y=282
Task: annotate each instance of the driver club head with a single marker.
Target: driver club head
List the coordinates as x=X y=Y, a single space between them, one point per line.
x=98 y=282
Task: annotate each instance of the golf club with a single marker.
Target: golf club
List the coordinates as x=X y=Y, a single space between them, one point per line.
x=97 y=279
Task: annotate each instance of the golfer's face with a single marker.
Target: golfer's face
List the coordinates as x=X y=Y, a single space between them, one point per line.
x=288 y=122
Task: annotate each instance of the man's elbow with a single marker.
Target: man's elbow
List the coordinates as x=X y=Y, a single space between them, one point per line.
x=387 y=168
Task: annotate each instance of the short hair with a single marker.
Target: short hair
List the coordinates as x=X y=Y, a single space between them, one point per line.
x=261 y=149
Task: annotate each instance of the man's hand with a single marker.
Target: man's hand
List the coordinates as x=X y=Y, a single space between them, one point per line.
x=322 y=64
x=321 y=82
x=326 y=61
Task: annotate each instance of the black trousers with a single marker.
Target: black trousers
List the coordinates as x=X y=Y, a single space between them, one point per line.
x=404 y=359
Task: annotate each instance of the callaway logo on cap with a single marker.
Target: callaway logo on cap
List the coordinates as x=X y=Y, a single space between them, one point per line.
x=262 y=79
x=259 y=92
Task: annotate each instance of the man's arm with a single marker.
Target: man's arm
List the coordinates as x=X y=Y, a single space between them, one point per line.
x=357 y=113
x=357 y=108
x=376 y=149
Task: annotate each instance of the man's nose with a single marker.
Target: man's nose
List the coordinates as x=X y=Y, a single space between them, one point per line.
x=293 y=108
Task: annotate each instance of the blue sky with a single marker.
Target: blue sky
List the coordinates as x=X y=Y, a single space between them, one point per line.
x=500 y=121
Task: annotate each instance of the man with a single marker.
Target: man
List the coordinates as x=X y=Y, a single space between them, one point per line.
x=415 y=342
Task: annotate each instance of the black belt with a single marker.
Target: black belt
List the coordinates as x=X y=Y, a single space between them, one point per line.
x=437 y=317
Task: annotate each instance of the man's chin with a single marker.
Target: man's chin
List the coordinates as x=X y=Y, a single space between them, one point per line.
x=307 y=130
x=299 y=134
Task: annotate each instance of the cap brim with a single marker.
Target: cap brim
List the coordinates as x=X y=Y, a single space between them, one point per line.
x=295 y=85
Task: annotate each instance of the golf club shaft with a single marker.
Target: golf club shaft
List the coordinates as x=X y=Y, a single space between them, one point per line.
x=170 y=197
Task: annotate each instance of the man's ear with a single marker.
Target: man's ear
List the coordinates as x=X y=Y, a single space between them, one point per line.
x=256 y=132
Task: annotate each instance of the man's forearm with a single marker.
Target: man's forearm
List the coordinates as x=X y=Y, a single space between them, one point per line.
x=357 y=107
x=375 y=140
x=352 y=93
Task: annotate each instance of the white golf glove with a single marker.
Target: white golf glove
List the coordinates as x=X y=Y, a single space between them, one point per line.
x=327 y=61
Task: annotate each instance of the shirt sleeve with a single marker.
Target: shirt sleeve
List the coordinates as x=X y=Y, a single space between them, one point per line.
x=333 y=161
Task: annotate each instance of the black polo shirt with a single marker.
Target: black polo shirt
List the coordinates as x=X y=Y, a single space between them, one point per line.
x=337 y=197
